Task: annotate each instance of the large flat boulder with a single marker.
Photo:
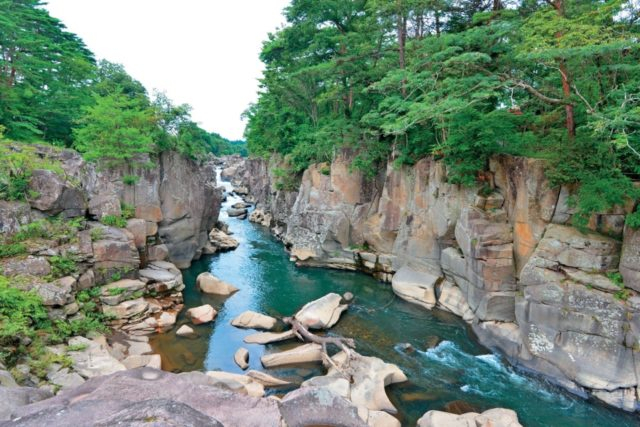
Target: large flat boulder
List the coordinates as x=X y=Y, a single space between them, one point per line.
x=139 y=395
x=95 y=359
x=307 y=353
x=12 y=398
x=369 y=377
x=239 y=383
x=416 y=287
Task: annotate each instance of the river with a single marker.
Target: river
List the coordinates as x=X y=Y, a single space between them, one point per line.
x=448 y=364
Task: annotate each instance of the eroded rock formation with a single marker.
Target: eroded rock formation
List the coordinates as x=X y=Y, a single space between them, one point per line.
x=501 y=255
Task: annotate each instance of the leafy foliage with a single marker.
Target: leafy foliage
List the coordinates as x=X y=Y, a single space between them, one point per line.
x=45 y=73
x=460 y=80
x=114 y=221
x=18 y=163
x=63 y=265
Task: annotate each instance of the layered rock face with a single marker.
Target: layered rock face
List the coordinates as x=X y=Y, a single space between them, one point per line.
x=501 y=255
x=274 y=203
x=175 y=200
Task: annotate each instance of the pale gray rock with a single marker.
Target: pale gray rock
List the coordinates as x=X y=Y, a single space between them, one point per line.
x=497 y=417
x=202 y=314
x=253 y=320
x=416 y=287
x=306 y=353
x=269 y=337
x=241 y=357
x=322 y=313
x=137 y=395
x=210 y=284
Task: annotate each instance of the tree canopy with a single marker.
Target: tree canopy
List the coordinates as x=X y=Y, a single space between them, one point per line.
x=461 y=80
x=52 y=90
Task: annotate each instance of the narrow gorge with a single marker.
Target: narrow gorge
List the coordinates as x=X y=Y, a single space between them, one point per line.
x=502 y=256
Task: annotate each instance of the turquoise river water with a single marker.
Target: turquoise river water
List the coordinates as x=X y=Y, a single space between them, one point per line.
x=448 y=364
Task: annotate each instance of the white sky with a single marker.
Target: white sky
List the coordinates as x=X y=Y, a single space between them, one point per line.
x=200 y=52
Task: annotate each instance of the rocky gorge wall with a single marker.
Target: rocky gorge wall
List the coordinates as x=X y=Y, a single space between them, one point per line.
x=175 y=200
x=501 y=255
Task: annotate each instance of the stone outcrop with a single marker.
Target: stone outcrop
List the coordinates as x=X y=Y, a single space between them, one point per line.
x=501 y=255
x=496 y=417
x=177 y=199
x=144 y=395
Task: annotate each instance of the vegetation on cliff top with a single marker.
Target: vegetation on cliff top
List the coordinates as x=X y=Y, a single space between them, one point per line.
x=52 y=90
x=461 y=80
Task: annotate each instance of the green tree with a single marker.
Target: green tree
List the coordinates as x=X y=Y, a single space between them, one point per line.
x=45 y=73
x=116 y=130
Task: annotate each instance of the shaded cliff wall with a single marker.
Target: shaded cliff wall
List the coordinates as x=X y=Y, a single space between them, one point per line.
x=501 y=255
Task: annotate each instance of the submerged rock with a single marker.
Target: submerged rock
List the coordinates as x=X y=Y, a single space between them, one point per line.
x=322 y=313
x=186 y=331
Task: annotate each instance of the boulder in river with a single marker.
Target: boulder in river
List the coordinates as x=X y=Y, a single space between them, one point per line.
x=221 y=241
x=241 y=357
x=241 y=205
x=306 y=353
x=253 y=320
x=322 y=313
x=210 y=284
x=202 y=314
x=269 y=337
x=236 y=212
x=497 y=417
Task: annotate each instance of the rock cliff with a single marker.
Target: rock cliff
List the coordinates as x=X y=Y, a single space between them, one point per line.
x=175 y=198
x=502 y=255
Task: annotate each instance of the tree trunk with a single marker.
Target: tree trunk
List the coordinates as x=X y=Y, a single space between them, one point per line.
x=402 y=40
x=570 y=124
